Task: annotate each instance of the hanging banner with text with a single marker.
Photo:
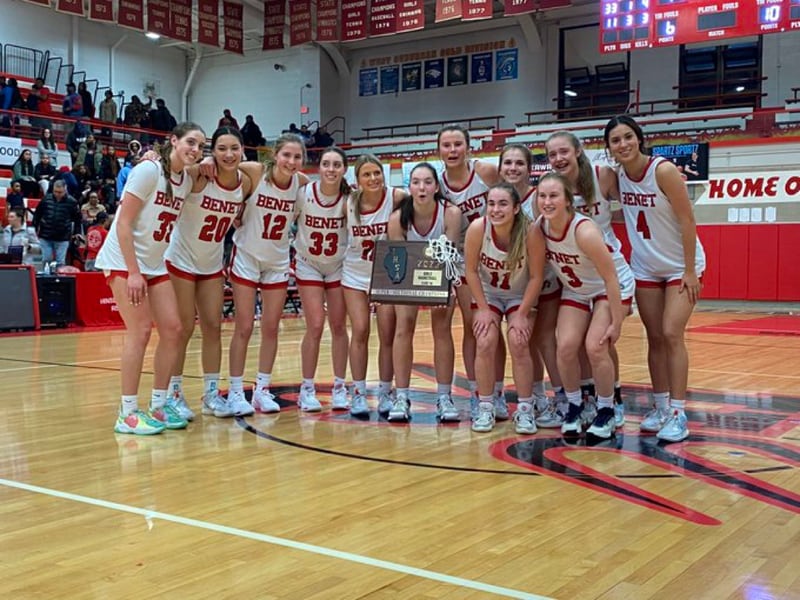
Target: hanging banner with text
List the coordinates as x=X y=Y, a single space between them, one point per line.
x=354 y=20
x=299 y=22
x=72 y=7
x=274 y=23
x=101 y=10
x=327 y=21
x=130 y=13
x=180 y=20
x=476 y=9
x=232 y=26
x=519 y=7
x=10 y=149
x=752 y=188
x=447 y=10
x=410 y=15
x=158 y=16
x=208 y=22
x=382 y=18
x=691 y=159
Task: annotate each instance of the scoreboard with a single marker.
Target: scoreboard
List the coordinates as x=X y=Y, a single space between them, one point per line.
x=631 y=24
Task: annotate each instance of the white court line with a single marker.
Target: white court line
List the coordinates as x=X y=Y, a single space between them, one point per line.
x=269 y=539
x=28 y=368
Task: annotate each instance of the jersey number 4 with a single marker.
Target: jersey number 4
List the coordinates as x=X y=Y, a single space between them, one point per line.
x=324 y=244
x=641 y=225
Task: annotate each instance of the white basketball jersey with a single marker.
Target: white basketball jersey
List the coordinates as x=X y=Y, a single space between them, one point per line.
x=436 y=229
x=653 y=228
x=321 y=226
x=154 y=223
x=498 y=278
x=267 y=221
x=470 y=199
x=363 y=232
x=599 y=212
x=575 y=270
x=199 y=234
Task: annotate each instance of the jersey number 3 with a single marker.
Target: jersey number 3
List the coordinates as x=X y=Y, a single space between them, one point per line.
x=327 y=244
x=165 y=222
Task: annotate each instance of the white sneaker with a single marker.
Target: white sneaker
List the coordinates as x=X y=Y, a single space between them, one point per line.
x=339 y=399
x=359 y=407
x=484 y=418
x=676 y=429
x=401 y=409
x=307 y=402
x=445 y=409
x=214 y=404
x=603 y=424
x=589 y=413
x=540 y=403
x=523 y=421
x=264 y=401
x=619 y=414
x=654 y=420
x=550 y=418
x=500 y=407
x=178 y=403
x=239 y=404
x=385 y=402
x=572 y=424
x=473 y=404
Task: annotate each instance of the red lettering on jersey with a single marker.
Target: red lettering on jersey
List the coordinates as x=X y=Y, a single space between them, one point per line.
x=474 y=203
x=175 y=202
x=369 y=230
x=645 y=200
x=275 y=203
x=324 y=222
x=222 y=206
x=561 y=258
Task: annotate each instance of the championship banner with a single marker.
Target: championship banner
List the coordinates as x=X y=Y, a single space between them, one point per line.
x=208 y=22
x=158 y=16
x=274 y=22
x=72 y=7
x=447 y=10
x=299 y=22
x=40 y=2
x=354 y=20
x=101 y=10
x=180 y=22
x=476 y=9
x=519 y=7
x=382 y=18
x=10 y=149
x=232 y=26
x=327 y=21
x=131 y=14
x=410 y=15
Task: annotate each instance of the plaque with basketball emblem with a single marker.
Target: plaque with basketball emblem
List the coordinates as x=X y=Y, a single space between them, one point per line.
x=408 y=273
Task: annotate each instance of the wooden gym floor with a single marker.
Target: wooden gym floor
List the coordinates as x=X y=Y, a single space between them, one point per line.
x=302 y=506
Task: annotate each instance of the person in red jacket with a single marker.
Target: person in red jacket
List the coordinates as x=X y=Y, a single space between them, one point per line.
x=95 y=236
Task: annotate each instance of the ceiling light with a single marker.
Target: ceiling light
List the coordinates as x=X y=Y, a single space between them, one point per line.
x=570 y=93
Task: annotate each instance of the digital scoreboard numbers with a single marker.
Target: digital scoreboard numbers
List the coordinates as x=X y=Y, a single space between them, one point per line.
x=630 y=24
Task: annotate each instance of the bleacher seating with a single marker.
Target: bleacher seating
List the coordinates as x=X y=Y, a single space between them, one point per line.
x=410 y=145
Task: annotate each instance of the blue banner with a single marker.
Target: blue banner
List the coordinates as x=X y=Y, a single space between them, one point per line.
x=434 y=73
x=412 y=76
x=481 y=70
x=507 y=64
x=457 y=70
x=390 y=79
x=368 y=82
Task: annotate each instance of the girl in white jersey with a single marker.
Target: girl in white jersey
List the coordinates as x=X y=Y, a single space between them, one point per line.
x=504 y=283
x=593 y=188
x=133 y=260
x=260 y=262
x=320 y=244
x=368 y=210
x=668 y=262
x=591 y=310
x=422 y=216
x=466 y=183
x=515 y=168
x=194 y=261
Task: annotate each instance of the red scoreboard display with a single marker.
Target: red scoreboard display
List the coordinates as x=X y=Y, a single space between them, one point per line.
x=630 y=24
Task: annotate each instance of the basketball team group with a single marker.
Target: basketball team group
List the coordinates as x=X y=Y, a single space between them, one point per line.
x=543 y=259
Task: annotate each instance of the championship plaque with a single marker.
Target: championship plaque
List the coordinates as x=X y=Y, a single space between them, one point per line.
x=407 y=273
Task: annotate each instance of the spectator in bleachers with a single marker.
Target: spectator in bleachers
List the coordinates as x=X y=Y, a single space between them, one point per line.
x=17 y=233
x=15 y=199
x=134 y=149
x=252 y=137
x=321 y=138
x=305 y=134
x=10 y=99
x=130 y=161
x=90 y=155
x=24 y=170
x=91 y=208
x=39 y=101
x=47 y=146
x=66 y=175
x=108 y=113
x=76 y=136
x=57 y=219
x=135 y=112
x=228 y=120
x=109 y=164
x=292 y=129
x=160 y=117
x=72 y=106
x=87 y=101
x=84 y=180
x=44 y=172
x=95 y=237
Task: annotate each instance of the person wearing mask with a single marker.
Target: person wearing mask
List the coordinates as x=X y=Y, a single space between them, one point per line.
x=56 y=220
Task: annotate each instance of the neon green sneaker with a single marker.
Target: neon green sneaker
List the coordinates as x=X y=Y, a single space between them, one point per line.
x=138 y=423
x=169 y=417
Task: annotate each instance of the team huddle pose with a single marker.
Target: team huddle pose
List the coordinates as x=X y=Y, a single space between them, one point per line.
x=544 y=259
